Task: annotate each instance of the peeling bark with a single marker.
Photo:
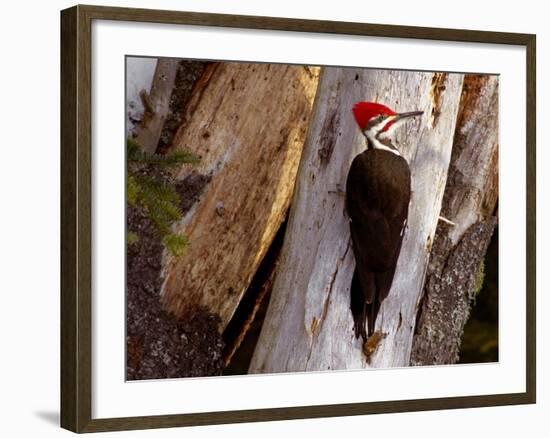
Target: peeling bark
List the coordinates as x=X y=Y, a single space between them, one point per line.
x=309 y=325
x=247 y=123
x=436 y=91
x=470 y=201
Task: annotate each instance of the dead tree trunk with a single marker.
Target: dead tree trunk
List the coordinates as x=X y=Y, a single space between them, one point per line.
x=156 y=104
x=458 y=251
x=309 y=325
x=247 y=123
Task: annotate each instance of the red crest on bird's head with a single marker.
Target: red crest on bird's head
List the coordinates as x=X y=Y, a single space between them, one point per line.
x=364 y=111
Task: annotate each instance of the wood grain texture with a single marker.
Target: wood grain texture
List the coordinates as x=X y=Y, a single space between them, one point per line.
x=69 y=322
x=531 y=218
x=470 y=200
x=309 y=324
x=303 y=412
x=301 y=25
x=247 y=123
x=76 y=223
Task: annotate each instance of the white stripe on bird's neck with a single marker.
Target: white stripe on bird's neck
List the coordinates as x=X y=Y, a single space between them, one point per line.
x=376 y=133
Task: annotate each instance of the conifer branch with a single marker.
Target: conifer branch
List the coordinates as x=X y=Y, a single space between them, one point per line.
x=157 y=196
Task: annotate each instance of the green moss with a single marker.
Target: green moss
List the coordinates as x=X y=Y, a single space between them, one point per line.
x=131 y=238
x=480 y=278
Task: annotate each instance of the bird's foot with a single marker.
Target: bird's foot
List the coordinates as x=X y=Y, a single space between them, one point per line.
x=372 y=343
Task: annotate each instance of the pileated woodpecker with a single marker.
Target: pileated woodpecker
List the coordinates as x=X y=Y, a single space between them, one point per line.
x=378 y=191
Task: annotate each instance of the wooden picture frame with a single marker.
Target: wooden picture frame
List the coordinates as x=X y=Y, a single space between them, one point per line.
x=76 y=218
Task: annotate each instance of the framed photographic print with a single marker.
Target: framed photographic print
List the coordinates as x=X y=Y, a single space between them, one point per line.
x=268 y=218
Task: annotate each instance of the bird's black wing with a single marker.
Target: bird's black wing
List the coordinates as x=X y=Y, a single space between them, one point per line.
x=377 y=197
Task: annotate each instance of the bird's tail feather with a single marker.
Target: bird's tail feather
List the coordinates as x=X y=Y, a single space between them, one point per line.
x=365 y=312
x=372 y=312
x=357 y=305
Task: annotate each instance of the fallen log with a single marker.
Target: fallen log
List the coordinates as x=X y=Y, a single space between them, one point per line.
x=247 y=124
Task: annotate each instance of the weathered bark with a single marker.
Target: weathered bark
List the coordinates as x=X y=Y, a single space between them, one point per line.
x=247 y=123
x=309 y=325
x=156 y=104
x=470 y=199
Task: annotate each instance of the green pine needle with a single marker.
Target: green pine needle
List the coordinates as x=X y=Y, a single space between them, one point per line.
x=133 y=149
x=175 y=243
x=136 y=156
x=158 y=198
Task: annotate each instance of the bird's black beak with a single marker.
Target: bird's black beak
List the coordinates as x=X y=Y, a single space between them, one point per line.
x=409 y=114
